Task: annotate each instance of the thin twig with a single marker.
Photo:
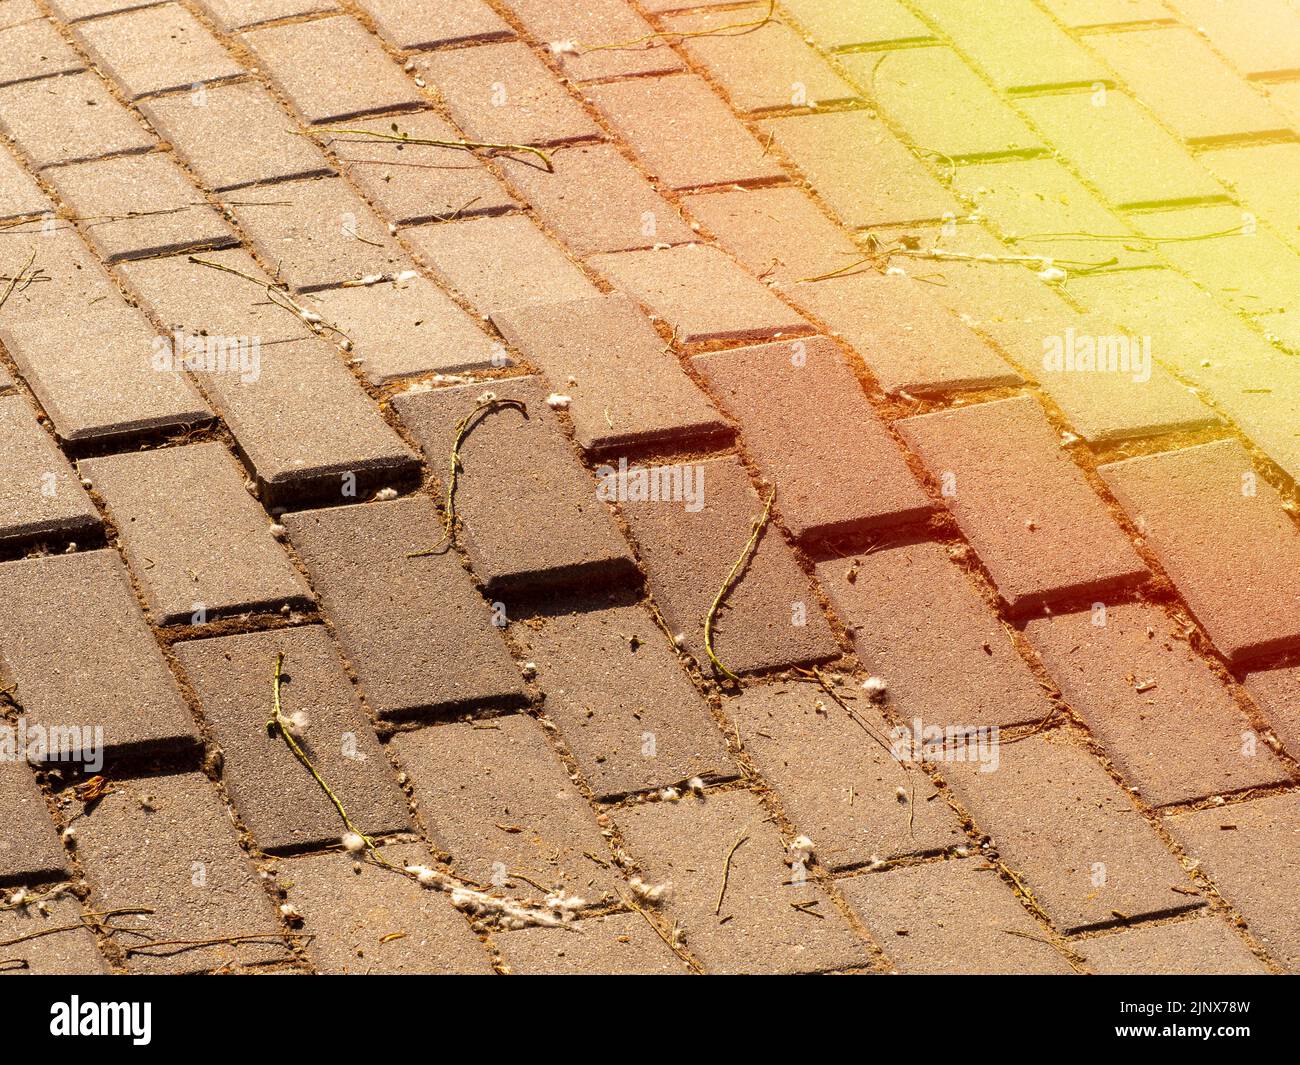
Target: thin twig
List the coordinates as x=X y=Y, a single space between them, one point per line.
x=13 y=281
x=726 y=872
x=275 y=294
x=750 y=546
x=717 y=31
x=468 y=146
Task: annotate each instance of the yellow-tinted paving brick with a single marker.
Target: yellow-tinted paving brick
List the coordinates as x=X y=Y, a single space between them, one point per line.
x=862 y=22
x=620 y=943
x=72 y=10
x=1106 y=12
x=1201 y=947
x=415 y=24
x=237 y=14
x=34 y=50
x=1260 y=177
x=68 y=118
x=1258 y=36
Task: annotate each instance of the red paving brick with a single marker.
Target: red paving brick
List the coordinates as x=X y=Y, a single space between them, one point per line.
x=399 y=618
x=1201 y=947
x=30 y=852
x=1024 y=506
x=1220 y=532
x=1277 y=693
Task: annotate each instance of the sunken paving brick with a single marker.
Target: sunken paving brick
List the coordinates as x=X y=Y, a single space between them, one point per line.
x=909 y=341
x=1277 y=693
x=836 y=775
x=768 y=68
x=67 y=119
x=864 y=22
x=139 y=205
x=700 y=293
x=597 y=201
x=625 y=388
x=30 y=851
x=185 y=866
x=620 y=698
x=829 y=150
x=683 y=132
x=616 y=944
x=412 y=182
x=415 y=24
x=1170 y=726
x=177 y=511
x=105 y=671
x=502 y=93
x=40 y=497
x=515 y=460
x=1241 y=848
x=809 y=428
x=155 y=49
x=688 y=546
x=467 y=257
x=238 y=14
x=756 y=928
x=1202 y=946
x=587 y=38
x=319 y=233
x=332 y=69
x=54 y=944
x=373 y=921
x=918 y=623
x=32 y=50
x=953 y=917
x=1071 y=834
x=19 y=194
x=265 y=150
x=1221 y=534
x=1262 y=39
x=402 y=619
x=96 y=375
x=501 y=802
x=1032 y=518
x=280 y=802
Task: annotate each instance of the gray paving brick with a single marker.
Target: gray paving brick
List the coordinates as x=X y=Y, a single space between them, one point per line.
x=1204 y=947
x=19 y=194
x=72 y=10
x=34 y=49
x=68 y=118
x=414 y=24
x=50 y=947
x=74 y=279
x=30 y=851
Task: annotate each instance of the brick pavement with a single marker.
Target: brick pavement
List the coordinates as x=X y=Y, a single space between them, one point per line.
x=453 y=353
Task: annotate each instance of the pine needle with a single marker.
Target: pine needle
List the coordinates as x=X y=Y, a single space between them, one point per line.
x=745 y=556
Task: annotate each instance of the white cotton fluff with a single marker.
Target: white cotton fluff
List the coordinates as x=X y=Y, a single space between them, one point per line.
x=800 y=849
x=354 y=843
x=556 y=401
x=654 y=894
x=297 y=724
x=385 y=494
x=1051 y=273
x=875 y=687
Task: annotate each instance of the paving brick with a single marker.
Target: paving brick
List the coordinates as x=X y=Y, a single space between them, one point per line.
x=909 y=342
x=1277 y=693
x=199 y=127
x=769 y=619
x=1025 y=507
x=324 y=235
x=72 y=10
x=1072 y=836
x=616 y=944
x=1239 y=33
x=829 y=150
x=34 y=49
x=808 y=426
x=401 y=619
x=467 y=257
x=1252 y=173
x=1103 y=140
x=185 y=866
x=595 y=29
x=67 y=119
x=1204 y=947
x=1238 y=848
x=1014 y=43
x=917 y=622
x=758 y=930
x=275 y=796
x=501 y=801
x=238 y=14
x=139 y=205
x=30 y=851
x=49 y=951
x=1221 y=534
x=414 y=24
x=766 y=68
x=15 y=12
x=1104 y=379
x=155 y=49
x=941 y=104
x=40 y=497
x=864 y=22
x=352 y=918
x=1285 y=96
x=96 y=379
x=776 y=233
x=1165 y=719
x=596 y=201
x=1176 y=74
x=118 y=679
x=503 y=93
x=625 y=388
x=515 y=459
x=409 y=328
x=1106 y=12
x=683 y=132
x=76 y=280
x=418 y=182
x=848 y=806
x=19 y=194
x=275 y=416
x=701 y=293
x=954 y=917
x=620 y=698
x=332 y=69
x=177 y=510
